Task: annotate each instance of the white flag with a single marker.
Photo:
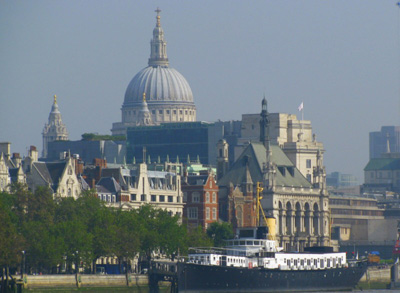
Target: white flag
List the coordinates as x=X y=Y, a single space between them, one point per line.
x=301 y=106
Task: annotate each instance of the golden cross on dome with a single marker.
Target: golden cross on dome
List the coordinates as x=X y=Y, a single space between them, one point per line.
x=55 y=99
x=144 y=97
x=158 y=16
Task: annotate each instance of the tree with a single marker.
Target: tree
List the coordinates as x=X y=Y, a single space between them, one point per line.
x=196 y=237
x=220 y=232
x=11 y=242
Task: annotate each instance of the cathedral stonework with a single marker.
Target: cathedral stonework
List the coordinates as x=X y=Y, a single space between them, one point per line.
x=55 y=129
x=169 y=97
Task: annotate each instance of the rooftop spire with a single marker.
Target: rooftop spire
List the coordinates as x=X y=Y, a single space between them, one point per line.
x=158 y=54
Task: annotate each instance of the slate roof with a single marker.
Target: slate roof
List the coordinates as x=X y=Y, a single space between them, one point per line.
x=383 y=164
x=51 y=172
x=254 y=156
x=110 y=184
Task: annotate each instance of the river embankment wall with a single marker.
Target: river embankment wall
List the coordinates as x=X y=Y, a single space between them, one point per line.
x=52 y=281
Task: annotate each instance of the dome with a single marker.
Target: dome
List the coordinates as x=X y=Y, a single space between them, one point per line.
x=161 y=84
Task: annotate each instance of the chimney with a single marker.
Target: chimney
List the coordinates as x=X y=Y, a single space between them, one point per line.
x=16 y=158
x=5 y=148
x=33 y=153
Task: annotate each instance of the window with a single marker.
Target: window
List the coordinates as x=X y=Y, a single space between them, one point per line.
x=170 y=198
x=309 y=177
x=167 y=111
x=153 y=111
x=192 y=213
x=195 y=197
x=153 y=197
x=133 y=197
x=214 y=197
x=162 y=198
x=207 y=197
x=159 y=111
x=308 y=163
x=175 y=112
x=143 y=197
x=207 y=213
x=113 y=198
x=186 y=112
x=214 y=213
x=180 y=112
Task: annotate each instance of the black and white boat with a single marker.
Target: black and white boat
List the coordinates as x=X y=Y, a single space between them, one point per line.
x=253 y=263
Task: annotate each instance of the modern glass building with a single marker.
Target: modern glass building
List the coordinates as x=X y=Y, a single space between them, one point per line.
x=174 y=141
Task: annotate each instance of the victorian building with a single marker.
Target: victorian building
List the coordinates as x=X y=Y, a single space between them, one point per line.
x=298 y=203
x=168 y=95
x=54 y=129
x=60 y=176
x=200 y=195
x=130 y=186
x=10 y=167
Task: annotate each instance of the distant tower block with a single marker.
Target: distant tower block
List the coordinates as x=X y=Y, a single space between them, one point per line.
x=55 y=129
x=222 y=158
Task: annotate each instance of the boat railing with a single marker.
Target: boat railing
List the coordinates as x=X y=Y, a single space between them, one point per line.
x=223 y=251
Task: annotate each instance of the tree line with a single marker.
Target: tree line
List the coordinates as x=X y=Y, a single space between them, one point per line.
x=47 y=233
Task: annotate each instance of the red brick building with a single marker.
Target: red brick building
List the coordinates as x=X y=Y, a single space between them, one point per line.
x=200 y=195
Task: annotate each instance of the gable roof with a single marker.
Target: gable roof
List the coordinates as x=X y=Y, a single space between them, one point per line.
x=254 y=157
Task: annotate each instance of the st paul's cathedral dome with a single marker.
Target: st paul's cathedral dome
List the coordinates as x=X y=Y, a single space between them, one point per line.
x=158 y=89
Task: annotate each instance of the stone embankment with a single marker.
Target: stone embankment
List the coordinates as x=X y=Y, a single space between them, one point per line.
x=49 y=281
x=379 y=274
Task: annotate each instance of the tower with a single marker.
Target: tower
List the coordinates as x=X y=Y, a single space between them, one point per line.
x=55 y=129
x=222 y=158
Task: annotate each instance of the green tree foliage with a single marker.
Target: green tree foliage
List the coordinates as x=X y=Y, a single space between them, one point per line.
x=64 y=231
x=220 y=232
x=11 y=242
x=92 y=136
x=197 y=238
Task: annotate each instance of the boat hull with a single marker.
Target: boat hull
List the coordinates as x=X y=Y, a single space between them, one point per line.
x=204 y=278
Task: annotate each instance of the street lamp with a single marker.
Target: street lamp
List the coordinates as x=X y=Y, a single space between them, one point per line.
x=77 y=262
x=23 y=264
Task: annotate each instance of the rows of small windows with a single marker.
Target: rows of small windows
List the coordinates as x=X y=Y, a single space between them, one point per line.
x=384 y=174
x=356 y=212
x=161 y=112
x=107 y=197
x=193 y=213
x=196 y=197
x=153 y=198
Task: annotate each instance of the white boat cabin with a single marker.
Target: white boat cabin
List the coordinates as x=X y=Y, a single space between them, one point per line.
x=251 y=249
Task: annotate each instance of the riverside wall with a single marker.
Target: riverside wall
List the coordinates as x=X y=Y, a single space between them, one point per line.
x=379 y=274
x=81 y=280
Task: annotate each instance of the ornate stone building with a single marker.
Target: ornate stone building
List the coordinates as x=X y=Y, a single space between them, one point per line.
x=168 y=95
x=300 y=207
x=55 y=129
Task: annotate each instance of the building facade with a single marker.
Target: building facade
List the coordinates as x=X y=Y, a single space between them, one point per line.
x=174 y=142
x=168 y=95
x=200 y=195
x=299 y=205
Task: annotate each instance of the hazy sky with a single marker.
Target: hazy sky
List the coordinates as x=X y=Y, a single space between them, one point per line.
x=342 y=58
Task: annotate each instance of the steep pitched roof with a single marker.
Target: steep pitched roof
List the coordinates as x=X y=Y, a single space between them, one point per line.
x=253 y=159
x=110 y=184
x=383 y=164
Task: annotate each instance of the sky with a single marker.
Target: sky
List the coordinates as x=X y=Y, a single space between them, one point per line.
x=340 y=58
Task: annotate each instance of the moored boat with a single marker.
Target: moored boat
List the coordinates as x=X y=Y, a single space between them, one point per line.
x=253 y=263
